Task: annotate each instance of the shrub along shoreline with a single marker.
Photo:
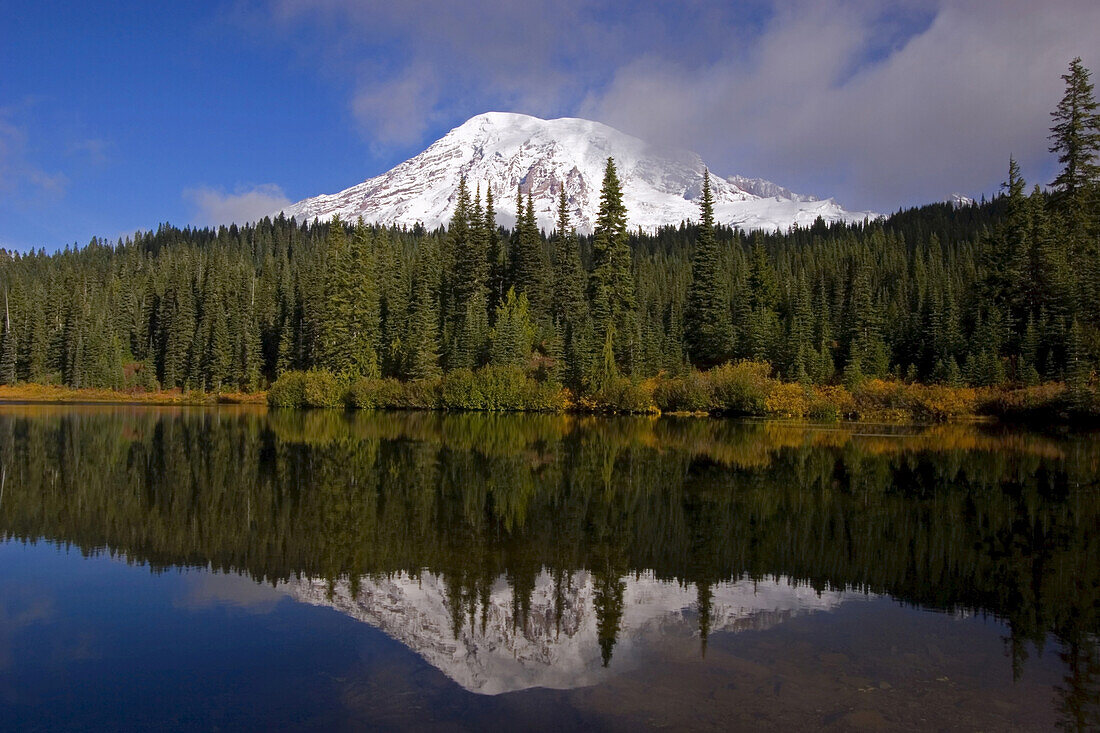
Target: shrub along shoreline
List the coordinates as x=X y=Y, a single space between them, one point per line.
x=739 y=389
x=743 y=388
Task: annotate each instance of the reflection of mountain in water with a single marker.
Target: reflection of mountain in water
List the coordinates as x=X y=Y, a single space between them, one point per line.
x=557 y=645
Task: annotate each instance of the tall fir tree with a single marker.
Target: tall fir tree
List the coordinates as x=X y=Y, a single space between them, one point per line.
x=611 y=282
x=423 y=337
x=469 y=241
x=7 y=348
x=708 y=326
x=1075 y=137
x=497 y=247
x=530 y=265
x=569 y=305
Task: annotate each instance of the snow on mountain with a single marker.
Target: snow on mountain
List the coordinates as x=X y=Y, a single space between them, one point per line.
x=509 y=655
x=960 y=201
x=767 y=189
x=508 y=151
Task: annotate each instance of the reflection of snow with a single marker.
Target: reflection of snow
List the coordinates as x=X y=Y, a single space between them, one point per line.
x=543 y=653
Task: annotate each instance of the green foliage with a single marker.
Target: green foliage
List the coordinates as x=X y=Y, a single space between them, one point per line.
x=7 y=352
x=314 y=388
x=688 y=393
x=1075 y=135
x=622 y=395
x=611 y=282
x=289 y=390
x=708 y=330
x=513 y=336
x=740 y=388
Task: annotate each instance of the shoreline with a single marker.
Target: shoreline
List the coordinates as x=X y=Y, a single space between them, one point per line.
x=1021 y=411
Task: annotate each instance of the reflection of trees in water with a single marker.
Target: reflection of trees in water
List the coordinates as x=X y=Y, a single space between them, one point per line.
x=1080 y=690
x=952 y=517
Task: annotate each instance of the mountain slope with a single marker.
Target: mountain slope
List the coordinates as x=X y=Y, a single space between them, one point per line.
x=509 y=151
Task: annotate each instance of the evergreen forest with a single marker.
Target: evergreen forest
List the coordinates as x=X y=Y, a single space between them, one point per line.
x=1001 y=292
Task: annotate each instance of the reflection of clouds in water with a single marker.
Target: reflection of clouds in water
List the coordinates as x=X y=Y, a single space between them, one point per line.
x=206 y=589
x=19 y=610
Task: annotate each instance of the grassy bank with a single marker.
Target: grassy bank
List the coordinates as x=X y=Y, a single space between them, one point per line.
x=738 y=389
x=30 y=392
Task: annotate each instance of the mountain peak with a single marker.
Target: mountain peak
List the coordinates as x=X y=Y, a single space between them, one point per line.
x=510 y=151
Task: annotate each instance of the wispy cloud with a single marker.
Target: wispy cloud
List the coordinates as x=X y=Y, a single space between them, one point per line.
x=93 y=149
x=941 y=112
x=19 y=176
x=214 y=206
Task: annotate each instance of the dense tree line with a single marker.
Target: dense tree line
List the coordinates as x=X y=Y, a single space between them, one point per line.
x=958 y=517
x=1006 y=290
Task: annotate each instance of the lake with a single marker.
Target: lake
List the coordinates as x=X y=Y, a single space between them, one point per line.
x=234 y=568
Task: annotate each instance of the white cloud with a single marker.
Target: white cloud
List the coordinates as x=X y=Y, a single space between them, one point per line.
x=399 y=110
x=214 y=207
x=877 y=104
x=941 y=113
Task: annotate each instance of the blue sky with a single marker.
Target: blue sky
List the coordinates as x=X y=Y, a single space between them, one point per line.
x=121 y=115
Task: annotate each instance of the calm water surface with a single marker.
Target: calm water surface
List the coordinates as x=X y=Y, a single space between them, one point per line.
x=239 y=569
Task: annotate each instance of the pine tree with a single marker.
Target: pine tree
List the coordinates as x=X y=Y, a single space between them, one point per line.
x=36 y=343
x=422 y=340
x=249 y=363
x=470 y=277
x=1078 y=368
x=865 y=345
x=7 y=348
x=456 y=278
x=569 y=306
x=497 y=248
x=327 y=310
x=1075 y=136
x=1006 y=255
x=214 y=344
x=708 y=328
x=611 y=283
x=513 y=333
x=178 y=317
x=761 y=326
x=360 y=307
x=394 y=297
x=530 y=266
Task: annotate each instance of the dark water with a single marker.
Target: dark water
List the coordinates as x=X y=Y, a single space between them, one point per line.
x=233 y=569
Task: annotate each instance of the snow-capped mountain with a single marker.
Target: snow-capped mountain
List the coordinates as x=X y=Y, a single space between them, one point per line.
x=512 y=151
x=509 y=654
